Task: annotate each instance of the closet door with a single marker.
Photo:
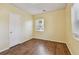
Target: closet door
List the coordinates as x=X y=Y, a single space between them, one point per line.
x=15 y=29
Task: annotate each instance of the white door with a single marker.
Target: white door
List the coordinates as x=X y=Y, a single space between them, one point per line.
x=15 y=29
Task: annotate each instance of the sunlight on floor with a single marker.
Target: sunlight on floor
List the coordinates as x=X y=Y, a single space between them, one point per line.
x=42 y=50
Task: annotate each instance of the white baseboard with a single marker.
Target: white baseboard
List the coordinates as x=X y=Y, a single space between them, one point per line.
x=21 y=42
x=4 y=49
x=14 y=45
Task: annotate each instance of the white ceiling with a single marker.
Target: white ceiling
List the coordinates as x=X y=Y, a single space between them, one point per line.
x=37 y=8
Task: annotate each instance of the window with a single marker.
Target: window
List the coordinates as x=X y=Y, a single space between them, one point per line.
x=39 y=24
x=75 y=20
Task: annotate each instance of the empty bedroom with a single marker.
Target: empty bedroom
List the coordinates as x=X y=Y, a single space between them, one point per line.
x=39 y=29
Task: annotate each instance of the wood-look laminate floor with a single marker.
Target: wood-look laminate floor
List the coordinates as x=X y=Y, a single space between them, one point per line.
x=38 y=47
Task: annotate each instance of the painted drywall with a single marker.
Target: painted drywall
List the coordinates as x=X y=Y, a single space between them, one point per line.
x=4 y=38
x=72 y=43
x=54 y=26
x=5 y=10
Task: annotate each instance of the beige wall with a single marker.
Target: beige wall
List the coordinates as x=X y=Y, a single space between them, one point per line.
x=54 y=26
x=4 y=38
x=5 y=10
x=72 y=43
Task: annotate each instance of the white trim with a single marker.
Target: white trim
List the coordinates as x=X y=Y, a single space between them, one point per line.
x=4 y=49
